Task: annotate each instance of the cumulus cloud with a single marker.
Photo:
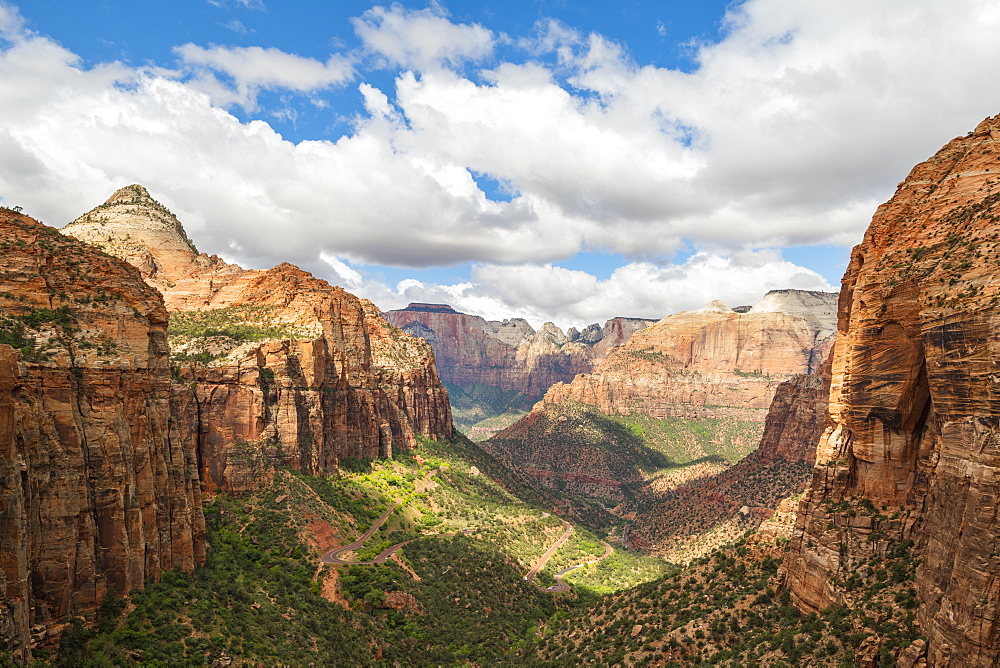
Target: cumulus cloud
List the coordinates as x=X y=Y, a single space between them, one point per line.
x=254 y=68
x=422 y=39
x=541 y=293
x=790 y=130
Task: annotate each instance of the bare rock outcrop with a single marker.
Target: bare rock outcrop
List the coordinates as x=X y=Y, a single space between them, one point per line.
x=99 y=484
x=731 y=501
x=711 y=361
x=911 y=458
x=509 y=354
x=285 y=367
x=797 y=417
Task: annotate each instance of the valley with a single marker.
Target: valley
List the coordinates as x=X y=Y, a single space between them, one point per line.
x=209 y=465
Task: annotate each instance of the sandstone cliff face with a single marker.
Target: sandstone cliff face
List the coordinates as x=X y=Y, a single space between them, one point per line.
x=797 y=417
x=712 y=361
x=99 y=483
x=654 y=427
x=285 y=368
x=509 y=355
x=913 y=450
x=719 y=508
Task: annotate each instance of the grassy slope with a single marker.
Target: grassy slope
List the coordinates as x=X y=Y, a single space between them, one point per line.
x=655 y=461
x=729 y=610
x=264 y=597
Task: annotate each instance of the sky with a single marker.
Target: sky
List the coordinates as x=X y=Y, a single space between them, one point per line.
x=557 y=160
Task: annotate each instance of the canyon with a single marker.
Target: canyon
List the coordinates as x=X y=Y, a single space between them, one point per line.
x=142 y=384
x=913 y=448
x=115 y=428
x=657 y=428
x=496 y=366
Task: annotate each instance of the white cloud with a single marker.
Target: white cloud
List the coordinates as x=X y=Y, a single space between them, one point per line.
x=568 y=297
x=256 y=5
x=791 y=131
x=345 y=276
x=254 y=68
x=421 y=39
x=11 y=22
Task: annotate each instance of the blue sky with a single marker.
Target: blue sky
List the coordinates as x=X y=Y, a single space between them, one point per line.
x=565 y=161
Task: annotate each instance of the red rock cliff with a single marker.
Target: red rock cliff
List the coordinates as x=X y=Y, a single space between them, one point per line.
x=289 y=369
x=99 y=483
x=711 y=361
x=509 y=354
x=915 y=407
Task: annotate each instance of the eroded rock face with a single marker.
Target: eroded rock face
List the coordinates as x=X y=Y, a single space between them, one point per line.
x=915 y=407
x=711 y=361
x=797 y=417
x=293 y=370
x=99 y=484
x=509 y=354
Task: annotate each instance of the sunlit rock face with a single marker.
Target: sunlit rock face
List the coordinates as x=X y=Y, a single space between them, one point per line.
x=510 y=354
x=915 y=406
x=293 y=371
x=713 y=361
x=99 y=484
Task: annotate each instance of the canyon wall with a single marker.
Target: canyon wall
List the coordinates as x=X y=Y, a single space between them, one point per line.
x=657 y=428
x=911 y=459
x=113 y=425
x=726 y=504
x=99 y=485
x=286 y=369
x=509 y=354
x=713 y=361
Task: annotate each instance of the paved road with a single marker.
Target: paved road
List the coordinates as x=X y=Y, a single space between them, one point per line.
x=540 y=564
x=331 y=556
x=562 y=586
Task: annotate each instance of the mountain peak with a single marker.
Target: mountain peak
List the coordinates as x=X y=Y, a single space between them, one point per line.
x=133 y=194
x=134 y=227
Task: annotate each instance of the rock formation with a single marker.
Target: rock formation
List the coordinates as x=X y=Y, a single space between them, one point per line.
x=910 y=460
x=654 y=427
x=509 y=354
x=99 y=485
x=713 y=361
x=726 y=504
x=285 y=368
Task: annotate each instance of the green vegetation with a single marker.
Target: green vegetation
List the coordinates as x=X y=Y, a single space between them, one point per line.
x=446 y=599
x=686 y=440
x=14 y=331
x=202 y=337
x=480 y=410
x=619 y=571
x=730 y=610
x=240 y=323
x=751 y=374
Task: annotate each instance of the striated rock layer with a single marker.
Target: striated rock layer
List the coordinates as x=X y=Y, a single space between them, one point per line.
x=739 y=497
x=286 y=368
x=509 y=354
x=912 y=456
x=712 y=361
x=99 y=485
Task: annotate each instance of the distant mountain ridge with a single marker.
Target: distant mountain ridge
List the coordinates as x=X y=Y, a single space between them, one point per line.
x=494 y=366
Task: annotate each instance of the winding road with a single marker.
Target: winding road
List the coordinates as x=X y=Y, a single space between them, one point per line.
x=562 y=586
x=333 y=556
x=540 y=564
